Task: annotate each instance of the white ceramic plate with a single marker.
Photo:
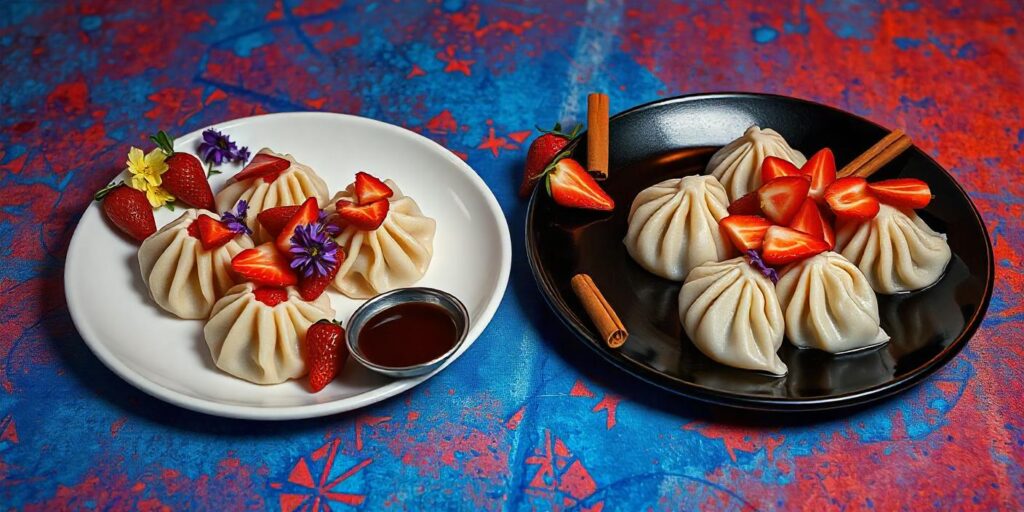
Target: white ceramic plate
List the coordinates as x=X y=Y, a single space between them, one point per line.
x=168 y=358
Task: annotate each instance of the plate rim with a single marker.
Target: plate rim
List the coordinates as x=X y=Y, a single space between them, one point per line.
x=746 y=401
x=392 y=388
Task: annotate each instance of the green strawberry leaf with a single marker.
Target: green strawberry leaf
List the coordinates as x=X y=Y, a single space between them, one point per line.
x=101 y=193
x=554 y=161
x=164 y=142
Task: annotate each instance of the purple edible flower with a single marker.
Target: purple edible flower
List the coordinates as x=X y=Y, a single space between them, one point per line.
x=330 y=228
x=219 y=148
x=242 y=155
x=313 y=251
x=236 y=221
x=755 y=261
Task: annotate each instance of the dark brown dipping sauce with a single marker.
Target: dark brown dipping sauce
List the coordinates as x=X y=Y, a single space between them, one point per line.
x=407 y=334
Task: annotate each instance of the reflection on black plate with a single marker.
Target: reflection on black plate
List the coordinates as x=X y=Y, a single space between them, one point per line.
x=676 y=137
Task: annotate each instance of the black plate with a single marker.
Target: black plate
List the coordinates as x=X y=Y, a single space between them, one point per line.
x=676 y=137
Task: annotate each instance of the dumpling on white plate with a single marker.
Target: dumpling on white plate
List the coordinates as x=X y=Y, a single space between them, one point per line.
x=738 y=164
x=896 y=250
x=258 y=334
x=673 y=226
x=829 y=305
x=395 y=255
x=730 y=312
x=183 y=277
x=290 y=187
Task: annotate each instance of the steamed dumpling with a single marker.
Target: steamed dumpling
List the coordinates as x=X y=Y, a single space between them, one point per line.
x=394 y=255
x=184 y=278
x=260 y=343
x=673 y=226
x=730 y=312
x=738 y=164
x=292 y=187
x=829 y=305
x=896 y=250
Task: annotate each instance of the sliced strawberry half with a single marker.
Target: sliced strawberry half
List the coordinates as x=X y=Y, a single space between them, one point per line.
x=781 y=197
x=308 y=213
x=774 y=167
x=367 y=217
x=746 y=232
x=370 y=189
x=274 y=219
x=902 y=192
x=571 y=186
x=265 y=166
x=270 y=295
x=809 y=219
x=263 y=264
x=212 y=234
x=849 y=198
x=312 y=287
x=785 y=245
x=749 y=204
x=821 y=168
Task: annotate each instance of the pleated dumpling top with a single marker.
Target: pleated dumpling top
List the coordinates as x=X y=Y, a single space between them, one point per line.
x=730 y=312
x=738 y=164
x=395 y=255
x=673 y=226
x=184 y=278
x=829 y=305
x=293 y=186
x=896 y=250
x=260 y=343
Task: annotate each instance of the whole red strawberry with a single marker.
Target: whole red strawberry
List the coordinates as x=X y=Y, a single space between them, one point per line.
x=185 y=177
x=128 y=209
x=542 y=152
x=326 y=353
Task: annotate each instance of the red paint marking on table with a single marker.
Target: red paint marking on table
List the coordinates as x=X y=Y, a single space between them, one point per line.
x=108 y=487
x=520 y=136
x=116 y=426
x=580 y=389
x=454 y=64
x=738 y=438
x=367 y=421
x=513 y=422
x=609 y=403
x=494 y=143
x=442 y=123
x=559 y=476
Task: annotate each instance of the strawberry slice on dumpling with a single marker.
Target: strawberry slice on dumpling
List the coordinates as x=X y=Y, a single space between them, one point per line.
x=746 y=232
x=264 y=264
x=369 y=188
x=785 y=245
x=265 y=166
x=781 y=197
x=850 y=199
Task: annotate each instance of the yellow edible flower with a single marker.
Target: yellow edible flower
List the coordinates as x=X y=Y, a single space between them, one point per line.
x=145 y=170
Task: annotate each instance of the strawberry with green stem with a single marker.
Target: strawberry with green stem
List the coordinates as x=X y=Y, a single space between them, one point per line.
x=185 y=178
x=542 y=153
x=128 y=209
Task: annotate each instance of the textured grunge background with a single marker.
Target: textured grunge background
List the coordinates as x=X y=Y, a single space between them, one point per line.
x=527 y=419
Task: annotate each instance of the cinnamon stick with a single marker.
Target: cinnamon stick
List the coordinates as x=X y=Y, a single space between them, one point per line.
x=600 y=312
x=597 y=135
x=883 y=152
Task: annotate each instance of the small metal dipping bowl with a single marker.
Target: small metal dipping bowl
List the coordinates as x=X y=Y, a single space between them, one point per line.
x=370 y=308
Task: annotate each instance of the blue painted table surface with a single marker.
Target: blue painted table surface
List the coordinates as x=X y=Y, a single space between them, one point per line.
x=528 y=419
